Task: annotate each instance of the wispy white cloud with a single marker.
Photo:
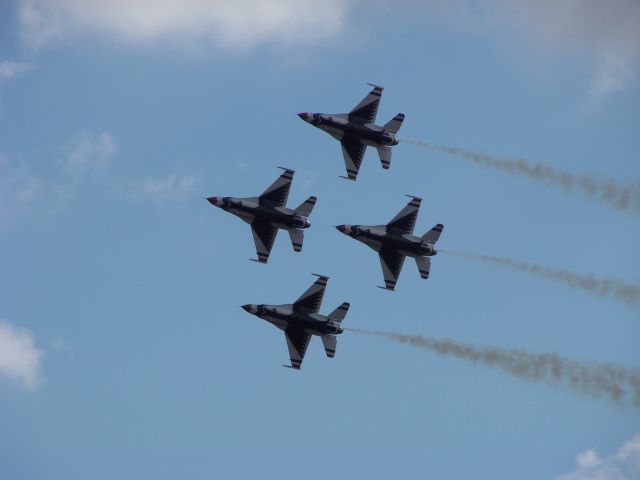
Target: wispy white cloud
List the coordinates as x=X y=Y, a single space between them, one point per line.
x=17 y=187
x=85 y=154
x=605 y=32
x=170 y=187
x=622 y=465
x=10 y=69
x=20 y=358
x=231 y=24
x=88 y=152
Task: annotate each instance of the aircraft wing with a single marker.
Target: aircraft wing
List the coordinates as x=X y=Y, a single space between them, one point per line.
x=405 y=220
x=278 y=192
x=311 y=300
x=297 y=341
x=392 y=262
x=366 y=110
x=353 y=152
x=264 y=234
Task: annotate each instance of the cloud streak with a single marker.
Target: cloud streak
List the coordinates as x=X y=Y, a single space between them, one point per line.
x=88 y=152
x=10 y=69
x=19 y=357
x=605 y=34
x=170 y=187
x=606 y=287
x=231 y=24
x=611 y=381
x=598 y=187
x=621 y=465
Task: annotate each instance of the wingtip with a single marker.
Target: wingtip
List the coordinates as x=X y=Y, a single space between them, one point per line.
x=375 y=86
x=386 y=288
x=413 y=197
x=347 y=178
x=286 y=169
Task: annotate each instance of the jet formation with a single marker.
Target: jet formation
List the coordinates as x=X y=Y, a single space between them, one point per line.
x=300 y=320
x=394 y=241
x=357 y=129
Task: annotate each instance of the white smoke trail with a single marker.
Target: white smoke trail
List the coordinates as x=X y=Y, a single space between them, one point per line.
x=598 y=187
x=612 y=381
x=589 y=283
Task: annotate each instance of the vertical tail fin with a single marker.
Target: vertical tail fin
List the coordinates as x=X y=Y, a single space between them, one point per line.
x=339 y=313
x=394 y=124
x=306 y=207
x=433 y=235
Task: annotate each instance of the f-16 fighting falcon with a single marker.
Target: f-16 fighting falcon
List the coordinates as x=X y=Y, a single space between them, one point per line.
x=395 y=240
x=357 y=129
x=267 y=213
x=301 y=319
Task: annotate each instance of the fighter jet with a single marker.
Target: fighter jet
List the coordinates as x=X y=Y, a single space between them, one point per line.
x=395 y=240
x=267 y=213
x=301 y=319
x=357 y=129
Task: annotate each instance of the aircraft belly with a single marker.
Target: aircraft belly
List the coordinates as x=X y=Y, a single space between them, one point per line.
x=277 y=322
x=244 y=215
x=274 y=217
x=335 y=132
x=375 y=244
x=408 y=253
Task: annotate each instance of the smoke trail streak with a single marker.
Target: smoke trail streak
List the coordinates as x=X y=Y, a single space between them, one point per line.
x=599 y=187
x=600 y=286
x=615 y=382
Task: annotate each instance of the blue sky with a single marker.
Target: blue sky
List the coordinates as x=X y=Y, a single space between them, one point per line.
x=123 y=350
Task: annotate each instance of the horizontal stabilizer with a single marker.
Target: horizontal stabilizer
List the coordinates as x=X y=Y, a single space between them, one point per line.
x=330 y=343
x=339 y=313
x=424 y=266
x=394 y=124
x=433 y=235
x=385 y=156
x=297 y=237
x=306 y=207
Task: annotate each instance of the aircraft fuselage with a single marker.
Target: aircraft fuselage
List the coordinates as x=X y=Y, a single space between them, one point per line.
x=339 y=127
x=378 y=238
x=284 y=315
x=250 y=209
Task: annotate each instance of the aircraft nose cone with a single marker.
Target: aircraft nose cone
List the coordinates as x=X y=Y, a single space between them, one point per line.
x=304 y=116
x=341 y=228
x=213 y=200
x=247 y=307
